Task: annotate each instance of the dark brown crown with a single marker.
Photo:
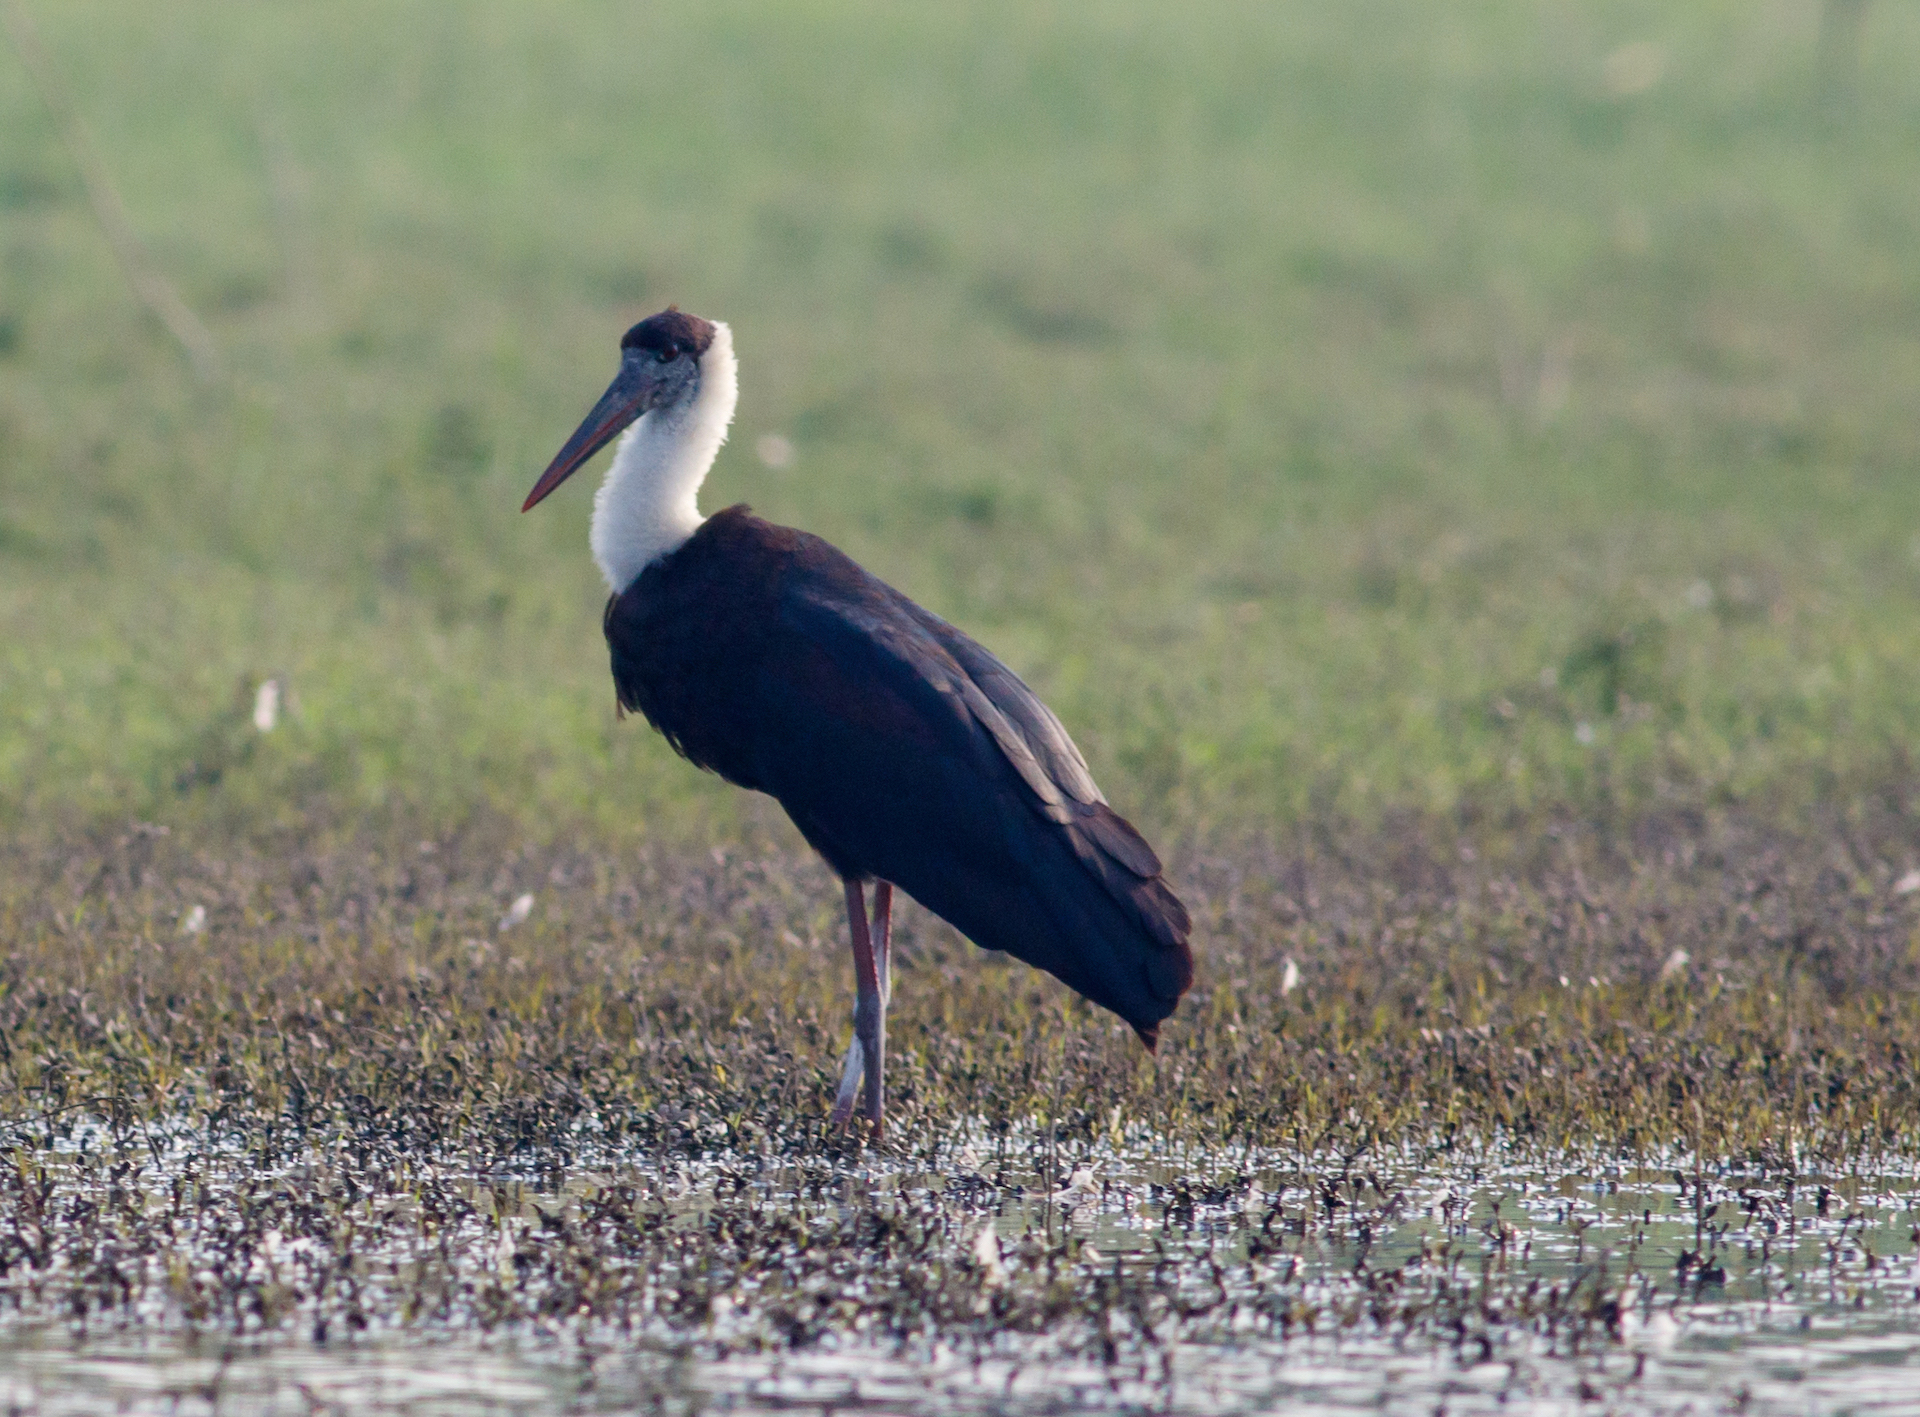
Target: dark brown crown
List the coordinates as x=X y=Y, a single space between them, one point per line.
x=671 y=332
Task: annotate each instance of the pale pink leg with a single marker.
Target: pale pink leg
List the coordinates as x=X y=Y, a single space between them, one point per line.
x=883 y=939
x=867 y=1054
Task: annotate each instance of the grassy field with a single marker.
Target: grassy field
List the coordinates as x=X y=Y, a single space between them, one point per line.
x=1455 y=473
x=1327 y=411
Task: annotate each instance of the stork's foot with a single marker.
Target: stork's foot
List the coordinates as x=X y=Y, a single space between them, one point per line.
x=849 y=1093
x=857 y=1085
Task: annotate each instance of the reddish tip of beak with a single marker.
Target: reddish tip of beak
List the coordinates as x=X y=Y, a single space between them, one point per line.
x=618 y=407
x=581 y=446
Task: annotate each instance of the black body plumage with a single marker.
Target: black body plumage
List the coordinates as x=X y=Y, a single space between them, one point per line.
x=902 y=750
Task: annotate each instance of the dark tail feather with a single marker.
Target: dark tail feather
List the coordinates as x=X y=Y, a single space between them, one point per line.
x=1120 y=934
x=1063 y=903
x=1143 y=901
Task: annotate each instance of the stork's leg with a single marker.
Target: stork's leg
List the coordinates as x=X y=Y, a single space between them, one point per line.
x=851 y=1072
x=883 y=939
x=852 y=1069
x=867 y=1053
x=880 y=933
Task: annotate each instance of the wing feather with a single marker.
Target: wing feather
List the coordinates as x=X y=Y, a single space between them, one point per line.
x=1038 y=726
x=907 y=744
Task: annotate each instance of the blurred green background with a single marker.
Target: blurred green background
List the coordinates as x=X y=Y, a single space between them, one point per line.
x=1355 y=408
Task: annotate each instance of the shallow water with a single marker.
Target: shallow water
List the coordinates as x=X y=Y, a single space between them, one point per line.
x=181 y=1276
x=1862 y=1368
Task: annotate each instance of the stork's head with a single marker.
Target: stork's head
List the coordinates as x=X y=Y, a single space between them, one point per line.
x=659 y=369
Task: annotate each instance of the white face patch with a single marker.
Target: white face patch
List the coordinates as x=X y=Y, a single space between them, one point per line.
x=647 y=507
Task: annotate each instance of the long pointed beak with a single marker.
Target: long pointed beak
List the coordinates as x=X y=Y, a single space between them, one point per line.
x=624 y=401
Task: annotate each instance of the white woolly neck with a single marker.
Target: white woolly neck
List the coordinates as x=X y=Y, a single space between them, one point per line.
x=646 y=507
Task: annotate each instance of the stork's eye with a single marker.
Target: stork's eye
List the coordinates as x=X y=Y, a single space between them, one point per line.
x=667 y=355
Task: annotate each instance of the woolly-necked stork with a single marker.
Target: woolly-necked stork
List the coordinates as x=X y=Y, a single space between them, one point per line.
x=905 y=753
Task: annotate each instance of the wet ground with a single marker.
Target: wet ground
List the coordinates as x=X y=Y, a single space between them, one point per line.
x=1564 y=1118
x=176 y=1273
